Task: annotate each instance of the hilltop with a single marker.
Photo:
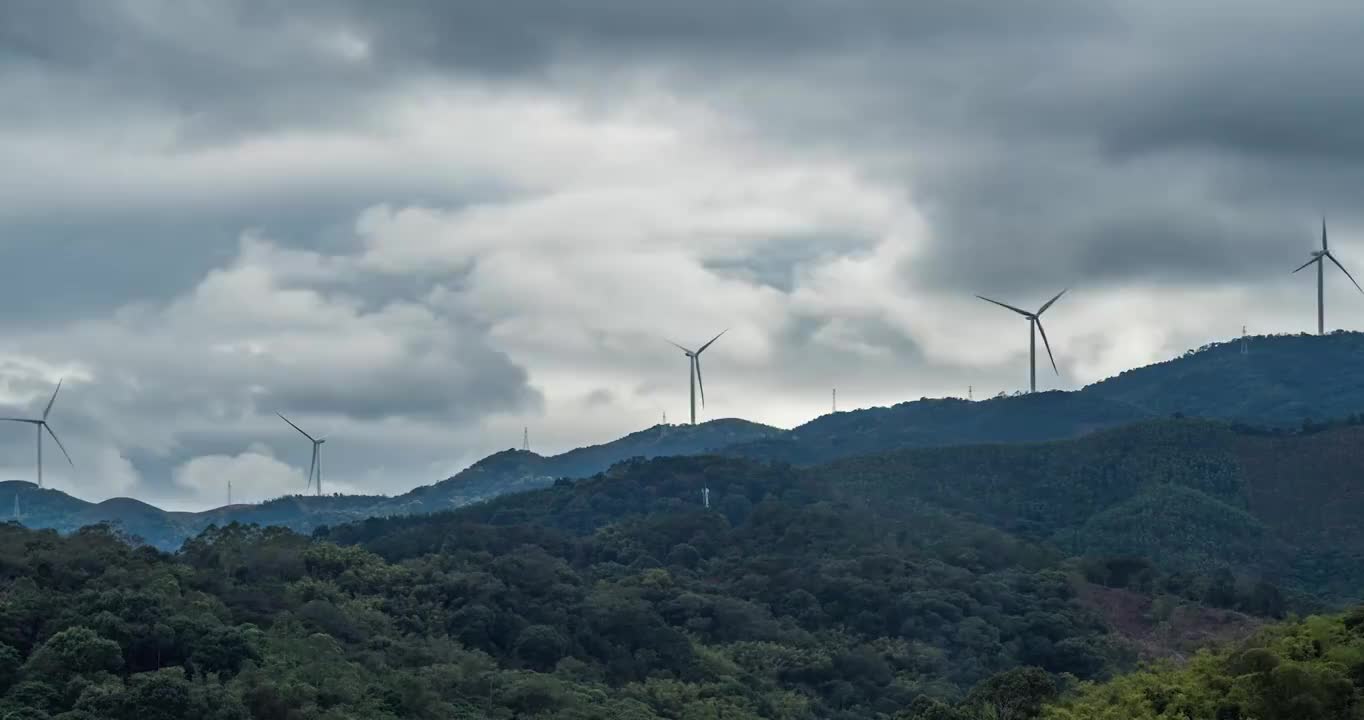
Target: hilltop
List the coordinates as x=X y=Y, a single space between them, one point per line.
x=497 y=474
x=1283 y=381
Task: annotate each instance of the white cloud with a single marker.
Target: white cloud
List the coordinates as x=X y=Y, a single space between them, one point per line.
x=255 y=476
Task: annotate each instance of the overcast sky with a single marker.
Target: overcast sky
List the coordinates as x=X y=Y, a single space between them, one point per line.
x=417 y=226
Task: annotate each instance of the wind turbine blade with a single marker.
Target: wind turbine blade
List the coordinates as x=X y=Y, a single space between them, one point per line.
x=679 y=347
x=59 y=444
x=1347 y=272
x=717 y=337
x=1048 y=346
x=1323 y=235
x=1049 y=302
x=291 y=422
x=1024 y=313
x=30 y=421
x=1309 y=262
x=311 y=467
x=54 y=398
x=700 y=385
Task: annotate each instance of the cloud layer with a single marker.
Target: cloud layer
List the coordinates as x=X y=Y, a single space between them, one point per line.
x=419 y=227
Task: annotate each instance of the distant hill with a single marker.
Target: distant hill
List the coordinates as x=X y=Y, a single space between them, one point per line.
x=1283 y=381
x=941 y=422
x=497 y=474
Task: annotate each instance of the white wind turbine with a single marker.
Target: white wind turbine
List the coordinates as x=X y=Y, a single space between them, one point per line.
x=694 y=365
x=314 y=467
x=40 y=424
x=1034 y=327
x=1317 y=257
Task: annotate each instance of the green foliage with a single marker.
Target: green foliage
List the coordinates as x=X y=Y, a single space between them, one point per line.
x=612 y=597
x=1303 y=670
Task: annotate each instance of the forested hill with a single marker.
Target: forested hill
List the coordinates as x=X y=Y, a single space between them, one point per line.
x=1281 y=381
x=616 y=597
x=1187 y=494
x=504 y=472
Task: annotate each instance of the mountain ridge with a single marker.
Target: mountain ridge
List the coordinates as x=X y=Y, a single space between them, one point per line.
x=1277 y=385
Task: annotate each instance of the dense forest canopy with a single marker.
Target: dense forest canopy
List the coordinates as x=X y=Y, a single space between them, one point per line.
x=614 y=597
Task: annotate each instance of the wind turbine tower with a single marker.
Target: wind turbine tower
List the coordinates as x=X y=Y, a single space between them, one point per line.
x=40 y=424
x=1318 y=257
x=694 y=364
x=315 y=467
x=1034 y=327
x=835 y=400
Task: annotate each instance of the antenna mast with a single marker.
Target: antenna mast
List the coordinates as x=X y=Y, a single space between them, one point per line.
x=970 y=392
x=229 y=492
x=525 y=439
x=1245 y=344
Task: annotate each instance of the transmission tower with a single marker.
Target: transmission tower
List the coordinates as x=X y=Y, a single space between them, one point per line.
x=525 y=439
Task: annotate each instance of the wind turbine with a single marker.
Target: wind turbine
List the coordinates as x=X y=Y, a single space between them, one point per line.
x=40 y=425
x=1317 y=256
x=1034 y=327
x=315 y=467
x=694 y=364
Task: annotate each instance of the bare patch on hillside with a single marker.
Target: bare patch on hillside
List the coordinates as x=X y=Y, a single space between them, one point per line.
x=1160 y=631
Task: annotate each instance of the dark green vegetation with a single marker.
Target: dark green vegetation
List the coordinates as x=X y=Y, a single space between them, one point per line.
x=1307 y=670
x=1187 y=495
x=613 y=597
x=915 y=584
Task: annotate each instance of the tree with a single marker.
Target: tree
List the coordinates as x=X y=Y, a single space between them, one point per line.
x=10 y=660
x=75 y=651
x=1016 y=694
x=540 y=647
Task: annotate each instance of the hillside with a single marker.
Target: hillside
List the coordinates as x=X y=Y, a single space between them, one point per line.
x=1303 y=670
x=612 y=597
x=1186 y=494
x=518 y=470
x=497 y=474
x=942 y=422
x=1277 y=384
x=1281 y=380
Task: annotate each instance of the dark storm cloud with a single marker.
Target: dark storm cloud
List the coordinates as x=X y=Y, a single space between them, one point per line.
x=1027 y=124
x=1047 y=144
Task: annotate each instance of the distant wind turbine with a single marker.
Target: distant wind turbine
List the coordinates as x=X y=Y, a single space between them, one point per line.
x=40 y=425
x=315 y=467
x=694 y=363
x=1034 y=327
x=1317 y=256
